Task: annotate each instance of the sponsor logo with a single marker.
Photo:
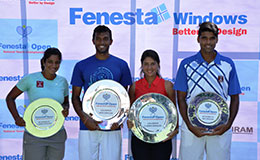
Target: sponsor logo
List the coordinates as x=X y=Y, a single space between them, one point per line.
x=11 y=157
x=229 y=32
x=115 y=18
x=220 y=78
x=99 y=74
x=11 y=78
x=22 y=42
x=158 y=15
x=242 y=130
x=10 y=128
x=245 y=89
x=190 y=18
x=42 y=2
x=72 y=118
x=34 y=46
x=39 y=84
x=162 y=13
x=24 y=31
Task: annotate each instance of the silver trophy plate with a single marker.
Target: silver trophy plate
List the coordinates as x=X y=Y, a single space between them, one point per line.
x=153 y=116
x=106 y=101
x=208 y=110
x=43 y=117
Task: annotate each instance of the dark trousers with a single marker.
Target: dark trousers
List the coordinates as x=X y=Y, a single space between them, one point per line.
x=150 y=151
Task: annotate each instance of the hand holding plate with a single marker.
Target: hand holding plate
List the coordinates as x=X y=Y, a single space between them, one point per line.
x=129 y=124
x=90 y=123
x=65 y=112
x=115 y=126
x=220 y=130
x=172 y=134
x=198 y=131
x=20 y=122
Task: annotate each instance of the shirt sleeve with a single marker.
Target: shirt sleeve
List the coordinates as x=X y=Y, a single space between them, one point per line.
x=23 y=84
x=181 y=79
x=77 y=78
x=233 y=84
x=126 y=78
x=66 y=90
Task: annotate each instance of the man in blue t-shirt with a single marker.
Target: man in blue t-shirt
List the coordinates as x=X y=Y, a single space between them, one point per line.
x=94 y=142
x=207 y=71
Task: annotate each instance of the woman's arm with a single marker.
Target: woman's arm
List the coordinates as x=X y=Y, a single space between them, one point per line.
x=10 y=101
x=131 y=93
x=65 y=106
x=172 y=96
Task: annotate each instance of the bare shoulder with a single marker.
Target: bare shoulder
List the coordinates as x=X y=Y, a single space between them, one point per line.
x=170 y=91
x=168 y=84
x=131 y=90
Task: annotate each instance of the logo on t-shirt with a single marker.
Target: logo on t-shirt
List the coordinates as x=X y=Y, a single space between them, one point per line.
x=220 y=78
x=99 y=74
x=39 y=84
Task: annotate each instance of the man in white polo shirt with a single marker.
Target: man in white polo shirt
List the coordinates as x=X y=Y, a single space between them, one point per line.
x=206 y=71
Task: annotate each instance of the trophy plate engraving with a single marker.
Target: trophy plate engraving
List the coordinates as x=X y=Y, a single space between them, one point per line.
x=153 y=116
x=208 y=110
x=106 y=101
x=44 y=117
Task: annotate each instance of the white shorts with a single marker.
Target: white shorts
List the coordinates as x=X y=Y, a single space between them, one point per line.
x=100 y=145
x=215 y=147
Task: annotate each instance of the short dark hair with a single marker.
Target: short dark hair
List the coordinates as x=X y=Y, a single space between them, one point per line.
x=101 y=29
x=49 y=52
x=210 y=27
x=152 y=54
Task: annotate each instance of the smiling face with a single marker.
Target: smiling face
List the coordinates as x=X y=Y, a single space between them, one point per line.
x=150 y=67
x=102 y=41
x=207 y=41
x=51 y=65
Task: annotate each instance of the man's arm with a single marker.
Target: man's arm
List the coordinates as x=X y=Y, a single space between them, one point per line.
x=233 y=109
x=116 y=125
x=197 y=131
x=90 y=123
